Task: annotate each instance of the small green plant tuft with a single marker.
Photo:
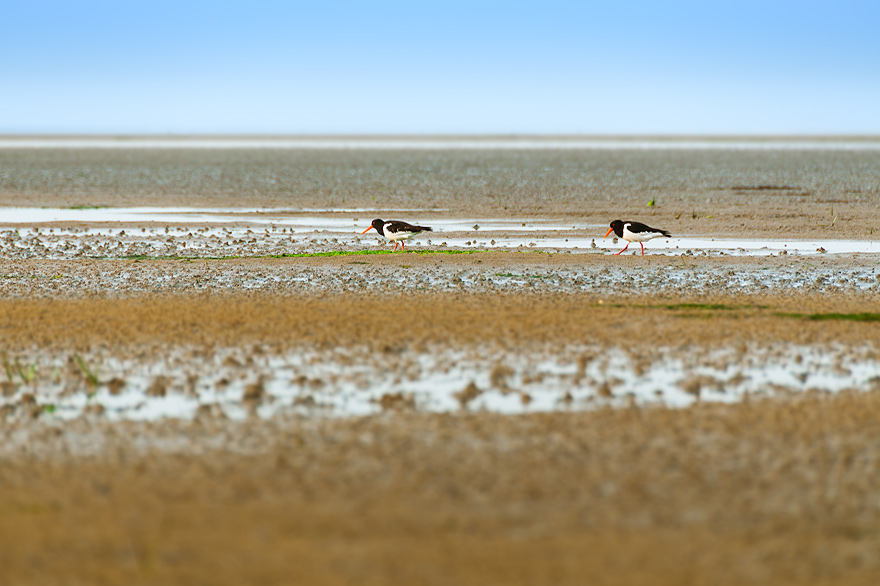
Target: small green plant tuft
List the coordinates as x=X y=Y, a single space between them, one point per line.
x=27 y=374
x=91 y=377
x=8 y=367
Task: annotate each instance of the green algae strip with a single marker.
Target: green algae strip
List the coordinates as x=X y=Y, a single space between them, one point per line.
x=366 y=252
x=833 y=316
x=709 y=306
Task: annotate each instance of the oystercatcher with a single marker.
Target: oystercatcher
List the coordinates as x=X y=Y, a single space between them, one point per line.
x=634 y=232
x=396 y=231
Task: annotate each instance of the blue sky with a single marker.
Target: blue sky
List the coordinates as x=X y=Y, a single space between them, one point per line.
x=440 y=67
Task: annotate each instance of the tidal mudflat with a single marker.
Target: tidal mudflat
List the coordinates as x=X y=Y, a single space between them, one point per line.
x=208 y=373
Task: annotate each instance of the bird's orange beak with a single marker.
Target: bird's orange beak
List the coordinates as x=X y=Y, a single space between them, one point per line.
x=367 y=230
x=610 y=230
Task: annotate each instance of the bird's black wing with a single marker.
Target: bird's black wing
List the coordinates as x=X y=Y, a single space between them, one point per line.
x=396 y=226
x=639 y=228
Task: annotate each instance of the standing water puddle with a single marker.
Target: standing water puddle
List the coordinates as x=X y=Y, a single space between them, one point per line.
x=212 y=230
x=331 y=383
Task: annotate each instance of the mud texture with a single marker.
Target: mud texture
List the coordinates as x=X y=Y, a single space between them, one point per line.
x=379 y=321
x=776 y=486
x=776 y=491
x=851 y=275
x=742 y=193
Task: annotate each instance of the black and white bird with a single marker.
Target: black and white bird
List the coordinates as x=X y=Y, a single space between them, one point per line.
x=396 y=231
x=634 y=232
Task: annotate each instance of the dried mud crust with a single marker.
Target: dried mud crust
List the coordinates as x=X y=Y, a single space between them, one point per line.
x=765 y=492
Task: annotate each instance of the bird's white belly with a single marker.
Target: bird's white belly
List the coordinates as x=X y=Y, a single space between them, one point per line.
x=640 y=237
x=395 y=236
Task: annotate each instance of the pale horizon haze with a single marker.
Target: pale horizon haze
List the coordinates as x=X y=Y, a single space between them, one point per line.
x=552 y=67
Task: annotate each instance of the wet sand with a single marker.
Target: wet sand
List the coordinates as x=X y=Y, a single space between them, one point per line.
x=764 y=492
x=731 y=193
x=750 y=481
x=381 y=319
x=767 y=491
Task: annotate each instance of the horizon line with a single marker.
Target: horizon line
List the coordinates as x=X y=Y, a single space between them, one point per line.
x=714 y=136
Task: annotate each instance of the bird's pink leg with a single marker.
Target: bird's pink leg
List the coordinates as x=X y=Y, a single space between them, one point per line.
x=395 y=246
x=624 y=248
x=643 y=248
x=402 y=247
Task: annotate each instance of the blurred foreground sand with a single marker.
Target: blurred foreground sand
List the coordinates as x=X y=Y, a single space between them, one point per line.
x=768 y=491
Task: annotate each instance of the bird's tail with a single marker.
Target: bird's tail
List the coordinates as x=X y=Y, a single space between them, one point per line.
x=423 y=229
x=665 y=233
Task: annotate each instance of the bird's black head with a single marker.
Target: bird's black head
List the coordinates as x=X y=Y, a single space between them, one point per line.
x=377 y=224
x=616 y=227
